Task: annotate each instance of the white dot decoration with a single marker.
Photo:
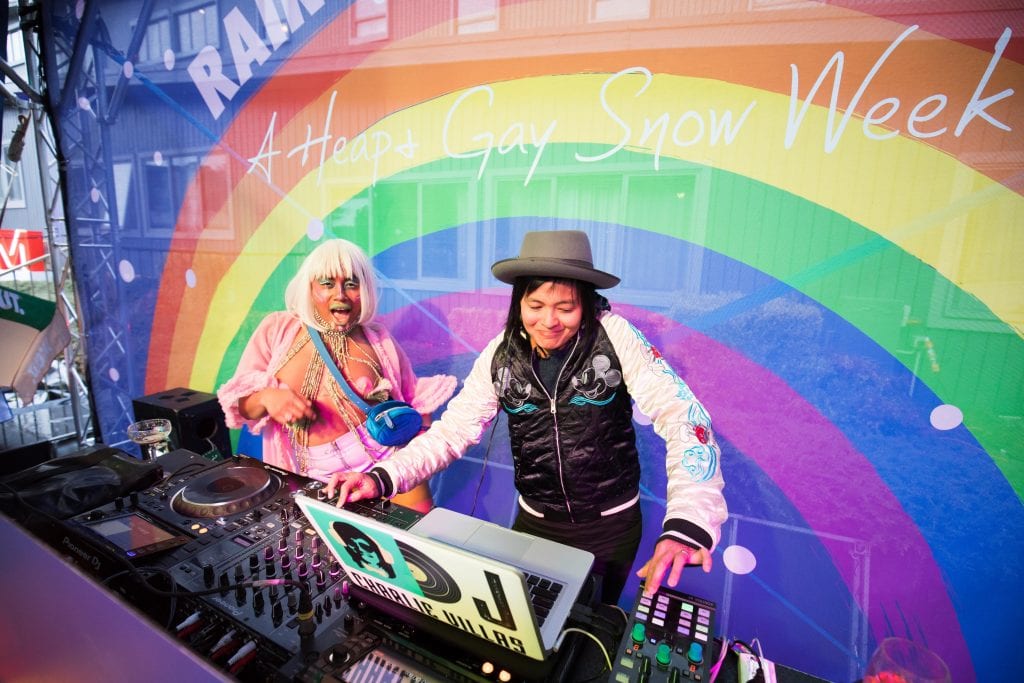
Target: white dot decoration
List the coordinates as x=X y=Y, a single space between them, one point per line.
x=946 y=417
x=84 y=104
x=114 y=374
x=190 y=278
x=127 y=270
x=128 y=69
x=94 y=195
x=168 y=59
x=158 y=158
x=739 y=560
x=315 y=229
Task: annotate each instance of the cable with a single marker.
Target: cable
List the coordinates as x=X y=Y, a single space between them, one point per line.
x=483 y=465
x=722 y=652
x=573 y=629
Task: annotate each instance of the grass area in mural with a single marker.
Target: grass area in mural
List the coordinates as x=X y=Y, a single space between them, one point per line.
x=867 y=280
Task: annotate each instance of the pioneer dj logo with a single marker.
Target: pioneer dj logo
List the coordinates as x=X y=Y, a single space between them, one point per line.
x=83 y=555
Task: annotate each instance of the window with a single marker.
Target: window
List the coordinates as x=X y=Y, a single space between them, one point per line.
x=370 y=20
x=197 y=28
x=476 y=16
x=12 y=188
x=620 y=10
x=157 y=40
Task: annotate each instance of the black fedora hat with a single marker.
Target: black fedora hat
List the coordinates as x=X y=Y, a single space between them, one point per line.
x=562 y=254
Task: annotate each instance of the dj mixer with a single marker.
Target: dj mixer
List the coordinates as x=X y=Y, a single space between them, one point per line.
x=219 y=555
x=669 y=638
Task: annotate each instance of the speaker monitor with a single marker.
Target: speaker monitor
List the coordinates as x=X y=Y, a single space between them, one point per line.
x=197 y=421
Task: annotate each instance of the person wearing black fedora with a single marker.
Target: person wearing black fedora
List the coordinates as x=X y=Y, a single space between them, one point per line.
x=566 y=371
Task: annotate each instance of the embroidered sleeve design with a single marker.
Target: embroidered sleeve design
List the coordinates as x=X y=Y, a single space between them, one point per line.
x=700 y=460
x=657 y=363
x=513 y=393
x=596 y=384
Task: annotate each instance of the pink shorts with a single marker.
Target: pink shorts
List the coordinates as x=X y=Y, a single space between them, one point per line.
x=352 y=452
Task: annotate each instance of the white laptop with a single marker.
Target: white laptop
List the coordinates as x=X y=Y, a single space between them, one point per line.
x=461 y=571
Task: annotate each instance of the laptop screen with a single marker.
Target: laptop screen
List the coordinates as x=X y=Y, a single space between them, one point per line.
x=484 y=598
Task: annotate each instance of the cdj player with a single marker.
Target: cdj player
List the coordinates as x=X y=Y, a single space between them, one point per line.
x=219 y=555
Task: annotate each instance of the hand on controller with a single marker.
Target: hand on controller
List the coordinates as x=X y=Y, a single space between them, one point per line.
x=352 y=486
x=671 y=556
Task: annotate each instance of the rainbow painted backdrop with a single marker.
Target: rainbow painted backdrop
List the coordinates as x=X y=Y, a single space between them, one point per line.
x=815 y=208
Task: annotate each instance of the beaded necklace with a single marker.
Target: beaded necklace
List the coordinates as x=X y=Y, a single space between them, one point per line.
x=337 y=342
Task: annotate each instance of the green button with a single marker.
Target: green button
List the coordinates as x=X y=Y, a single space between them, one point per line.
x=639 y=633
x=664 y=655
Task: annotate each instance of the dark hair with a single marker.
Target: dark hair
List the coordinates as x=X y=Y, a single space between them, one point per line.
x=349 y=533
x=590 y=301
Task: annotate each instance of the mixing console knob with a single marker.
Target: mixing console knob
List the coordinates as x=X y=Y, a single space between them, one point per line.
x=328 y=606
x=224 y=583
x=298 y=537
x=293 y=602
x=282 y=546
x=133 y=497
x=664 y=655
x=303 y=570
x=639 y=633
x=673 y=675
x=268 y=554
x=277 y=614
x=254 y=564
x=239 y=574
x=208 y=575
x=284 y=515
x=696 y=653
x=286 y=562
x=314 y=544
x=119 y=504
x=317 y=561
x=321 y=579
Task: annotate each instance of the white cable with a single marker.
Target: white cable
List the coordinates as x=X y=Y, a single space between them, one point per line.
x=604 y=651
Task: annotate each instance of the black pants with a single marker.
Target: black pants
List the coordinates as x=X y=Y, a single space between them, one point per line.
x=613 y=540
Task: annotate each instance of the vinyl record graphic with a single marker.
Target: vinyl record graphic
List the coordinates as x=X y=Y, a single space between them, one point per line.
x=435 y=582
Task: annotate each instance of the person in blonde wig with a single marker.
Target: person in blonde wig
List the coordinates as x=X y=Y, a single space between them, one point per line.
x=283 y=390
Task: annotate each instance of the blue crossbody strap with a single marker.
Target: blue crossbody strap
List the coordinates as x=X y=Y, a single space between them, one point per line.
x=329 y=362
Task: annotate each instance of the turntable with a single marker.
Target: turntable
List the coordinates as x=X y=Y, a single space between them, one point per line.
x=227 y=490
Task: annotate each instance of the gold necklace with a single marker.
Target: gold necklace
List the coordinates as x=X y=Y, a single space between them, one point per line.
x=337 y=342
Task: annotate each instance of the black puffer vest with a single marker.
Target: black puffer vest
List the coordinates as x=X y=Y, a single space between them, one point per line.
x=579 y=456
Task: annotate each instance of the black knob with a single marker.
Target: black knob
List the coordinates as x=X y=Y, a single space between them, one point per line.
x=208 y=575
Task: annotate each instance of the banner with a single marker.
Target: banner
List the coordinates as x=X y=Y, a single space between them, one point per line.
x=815 y=209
